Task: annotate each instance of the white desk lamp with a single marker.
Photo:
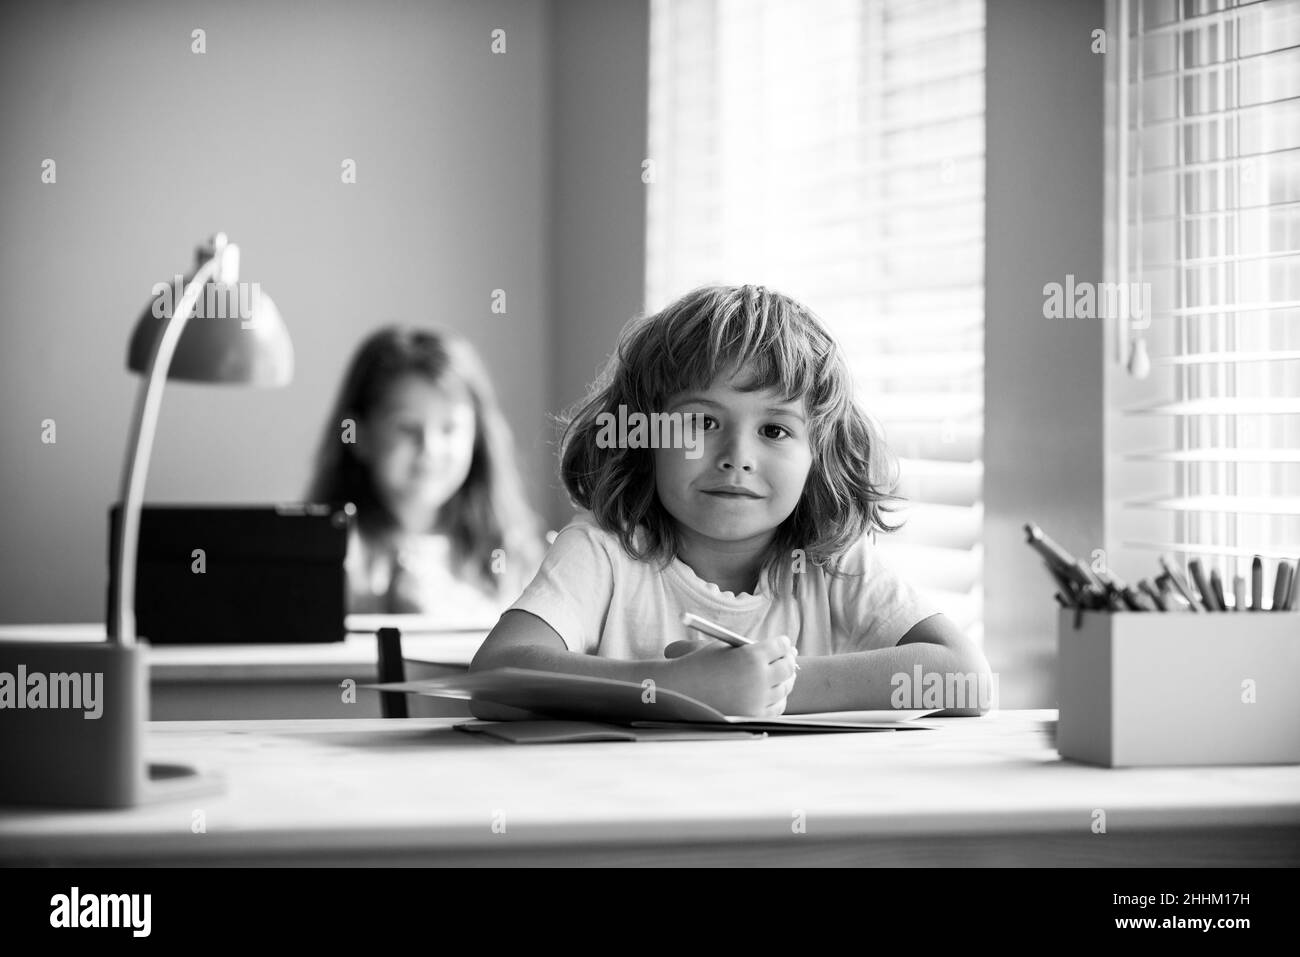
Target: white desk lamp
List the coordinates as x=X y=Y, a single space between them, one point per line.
x=66 y=755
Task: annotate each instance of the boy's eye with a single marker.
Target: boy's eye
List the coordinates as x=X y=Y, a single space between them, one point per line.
x=775 y=431
x=700 y=420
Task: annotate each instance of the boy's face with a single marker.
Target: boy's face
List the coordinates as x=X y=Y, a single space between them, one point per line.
x=755 y=461
x=418 y=445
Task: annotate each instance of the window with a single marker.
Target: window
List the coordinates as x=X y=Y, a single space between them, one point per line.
x=835 y=151
x=1205 y=127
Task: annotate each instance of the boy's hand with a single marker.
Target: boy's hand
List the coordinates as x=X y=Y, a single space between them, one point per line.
x=750 y=681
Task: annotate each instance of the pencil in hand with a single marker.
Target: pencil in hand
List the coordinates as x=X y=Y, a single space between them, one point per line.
x=714 y=630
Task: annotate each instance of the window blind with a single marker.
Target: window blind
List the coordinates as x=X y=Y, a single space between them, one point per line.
x=1206 y=126
x=835 y=151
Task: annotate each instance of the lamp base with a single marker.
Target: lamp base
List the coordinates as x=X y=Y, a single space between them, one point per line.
x=72 y=717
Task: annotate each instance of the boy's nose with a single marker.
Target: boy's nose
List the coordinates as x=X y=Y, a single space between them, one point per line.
x=736 y=455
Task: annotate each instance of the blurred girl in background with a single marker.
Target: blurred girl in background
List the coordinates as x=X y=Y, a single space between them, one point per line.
x=417 y=442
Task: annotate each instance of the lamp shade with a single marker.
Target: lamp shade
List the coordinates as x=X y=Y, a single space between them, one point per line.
x=235 y=335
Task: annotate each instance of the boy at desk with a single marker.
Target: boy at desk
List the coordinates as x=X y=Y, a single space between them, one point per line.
x=760 y=519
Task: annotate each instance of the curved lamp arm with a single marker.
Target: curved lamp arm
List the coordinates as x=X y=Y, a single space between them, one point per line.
x=121 y=627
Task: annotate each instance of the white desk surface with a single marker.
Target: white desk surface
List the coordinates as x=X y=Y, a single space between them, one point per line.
x=294 y=662
x=988 y=790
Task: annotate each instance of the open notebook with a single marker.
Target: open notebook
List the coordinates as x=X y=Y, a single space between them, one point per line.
x=545 y=694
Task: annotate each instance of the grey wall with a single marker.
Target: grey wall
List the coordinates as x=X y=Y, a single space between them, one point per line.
x=600 y=58
x=157 y=148
x=1044 y=412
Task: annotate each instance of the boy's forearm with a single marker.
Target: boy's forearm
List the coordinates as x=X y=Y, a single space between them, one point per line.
x=866 y=680
x=545 y=658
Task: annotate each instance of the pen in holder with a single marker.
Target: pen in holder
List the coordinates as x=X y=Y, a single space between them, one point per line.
x=1164 y=674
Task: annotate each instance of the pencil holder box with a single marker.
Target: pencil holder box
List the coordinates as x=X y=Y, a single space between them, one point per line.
x=1146 y=688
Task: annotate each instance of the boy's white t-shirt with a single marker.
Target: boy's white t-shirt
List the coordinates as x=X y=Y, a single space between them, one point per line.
x=601 y=601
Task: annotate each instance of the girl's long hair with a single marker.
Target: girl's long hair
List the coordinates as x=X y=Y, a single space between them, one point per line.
x=489 y=511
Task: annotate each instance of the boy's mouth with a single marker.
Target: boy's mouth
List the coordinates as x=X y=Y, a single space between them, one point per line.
x=732 y=492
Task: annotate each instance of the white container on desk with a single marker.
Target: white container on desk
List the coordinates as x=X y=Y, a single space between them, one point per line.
x=1178 y=688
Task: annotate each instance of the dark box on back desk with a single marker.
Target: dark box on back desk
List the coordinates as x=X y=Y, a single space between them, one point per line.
x=270 y=573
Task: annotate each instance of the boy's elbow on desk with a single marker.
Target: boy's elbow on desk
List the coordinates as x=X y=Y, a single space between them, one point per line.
x=961 y=662
x=508 y=643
